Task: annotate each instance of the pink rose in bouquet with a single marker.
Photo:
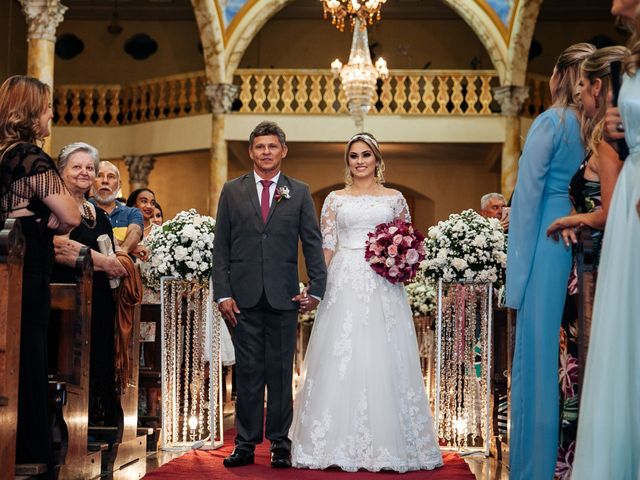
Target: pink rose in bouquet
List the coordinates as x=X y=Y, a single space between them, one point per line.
x=394 y=250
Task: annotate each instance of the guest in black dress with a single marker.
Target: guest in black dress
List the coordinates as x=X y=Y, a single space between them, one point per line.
x=32 y=191
x=78 y=164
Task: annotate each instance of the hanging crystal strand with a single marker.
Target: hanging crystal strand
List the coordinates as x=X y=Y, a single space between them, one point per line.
x=453 y=363
x=460 y=364
x=164 y=353
x=187 y=365
x=204 y=306
x=194 y=341
x=198 y=339
x=472 y=383
x=176 y=308
x=485 y=296
x=176 y=357
x=179 y=341
x=216 y=335
x=446 y=391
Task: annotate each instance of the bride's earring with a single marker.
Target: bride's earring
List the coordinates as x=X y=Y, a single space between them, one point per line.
x=378 y=174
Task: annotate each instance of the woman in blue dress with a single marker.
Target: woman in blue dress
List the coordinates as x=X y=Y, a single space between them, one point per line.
x=608 y=444
x=538 y=270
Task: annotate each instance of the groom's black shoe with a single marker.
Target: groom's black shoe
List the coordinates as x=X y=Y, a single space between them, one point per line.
x=238 y=458
x=280 y=458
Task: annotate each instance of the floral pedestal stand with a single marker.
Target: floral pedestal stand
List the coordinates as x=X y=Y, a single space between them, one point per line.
x=463 y=365
x=191 y=366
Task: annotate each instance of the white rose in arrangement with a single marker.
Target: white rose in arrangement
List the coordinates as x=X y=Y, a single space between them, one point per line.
x=182 y=247
x=422 y=294
x=459 y=263
x=466 y=248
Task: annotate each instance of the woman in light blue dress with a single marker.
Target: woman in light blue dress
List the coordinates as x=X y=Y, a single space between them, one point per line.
x=608 y=444
x=538 y=270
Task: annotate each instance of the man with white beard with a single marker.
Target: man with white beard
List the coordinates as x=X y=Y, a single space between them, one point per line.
x=126 y=221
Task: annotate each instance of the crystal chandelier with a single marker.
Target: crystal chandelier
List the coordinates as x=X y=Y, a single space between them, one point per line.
x=359 y=76
x=366 y=10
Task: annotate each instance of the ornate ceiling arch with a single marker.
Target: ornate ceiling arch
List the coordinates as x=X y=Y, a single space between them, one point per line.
x=504 y=27
x=208 y=14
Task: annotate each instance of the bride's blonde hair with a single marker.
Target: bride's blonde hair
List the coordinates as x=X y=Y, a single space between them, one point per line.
x=372 y=143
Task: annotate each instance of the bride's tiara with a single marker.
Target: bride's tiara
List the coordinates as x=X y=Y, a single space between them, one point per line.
x=366 y=136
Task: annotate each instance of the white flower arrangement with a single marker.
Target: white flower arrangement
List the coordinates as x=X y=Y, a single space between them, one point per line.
x=182 y=247
x=422 y=294
x=466 y=248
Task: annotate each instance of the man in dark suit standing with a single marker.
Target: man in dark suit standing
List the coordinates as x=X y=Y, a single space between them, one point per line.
x=261 y=216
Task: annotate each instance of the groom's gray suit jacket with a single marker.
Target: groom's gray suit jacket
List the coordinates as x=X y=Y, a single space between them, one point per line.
x=251 y=257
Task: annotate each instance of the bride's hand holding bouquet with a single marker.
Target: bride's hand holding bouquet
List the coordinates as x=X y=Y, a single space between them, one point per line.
x=394 y=251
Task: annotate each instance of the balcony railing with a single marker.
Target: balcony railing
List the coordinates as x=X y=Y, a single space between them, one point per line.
x=149 y=100
x=406 y=92
x=539 y=96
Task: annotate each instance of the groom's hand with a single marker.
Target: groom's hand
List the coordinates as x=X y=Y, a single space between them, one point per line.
x=228 y=310
x=306 y=301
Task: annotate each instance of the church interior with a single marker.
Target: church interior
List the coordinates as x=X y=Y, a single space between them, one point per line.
x=169 y=90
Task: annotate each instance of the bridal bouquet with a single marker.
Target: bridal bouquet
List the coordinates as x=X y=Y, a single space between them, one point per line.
x=466 y=248
x=394 y=250
x=182 y=247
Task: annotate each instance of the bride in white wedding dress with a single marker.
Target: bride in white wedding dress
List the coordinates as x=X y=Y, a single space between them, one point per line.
x=362 y=401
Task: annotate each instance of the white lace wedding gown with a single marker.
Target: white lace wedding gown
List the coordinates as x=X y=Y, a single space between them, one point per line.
x=361 y=401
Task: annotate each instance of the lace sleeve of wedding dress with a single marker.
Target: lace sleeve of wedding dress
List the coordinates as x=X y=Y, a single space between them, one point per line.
x=401 y=209
x=328 y=223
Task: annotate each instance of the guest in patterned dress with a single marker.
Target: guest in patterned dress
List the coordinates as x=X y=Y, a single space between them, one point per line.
x=590 y=190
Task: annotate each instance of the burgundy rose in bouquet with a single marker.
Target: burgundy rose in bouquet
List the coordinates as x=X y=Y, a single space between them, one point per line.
x=394 y=250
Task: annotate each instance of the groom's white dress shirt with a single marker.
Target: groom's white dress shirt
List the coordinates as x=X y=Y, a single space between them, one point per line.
x=272 y=187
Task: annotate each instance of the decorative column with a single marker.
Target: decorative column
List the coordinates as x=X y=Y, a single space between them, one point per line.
x=511 y=99
x=140 y=167
x=221 y=96
x=43 y=18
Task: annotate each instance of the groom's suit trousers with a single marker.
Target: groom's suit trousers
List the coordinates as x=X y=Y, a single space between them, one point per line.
x=264 y=329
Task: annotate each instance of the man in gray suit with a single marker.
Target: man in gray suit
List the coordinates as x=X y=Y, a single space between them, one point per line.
x=261 y=216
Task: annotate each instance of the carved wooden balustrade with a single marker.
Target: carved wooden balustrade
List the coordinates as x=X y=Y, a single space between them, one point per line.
x=539 y=96
x=406 y=92
x=149 y=100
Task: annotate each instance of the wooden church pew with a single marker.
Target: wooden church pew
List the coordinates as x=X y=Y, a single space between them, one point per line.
x=69 y=384
x=130 y=446
x=11 y=258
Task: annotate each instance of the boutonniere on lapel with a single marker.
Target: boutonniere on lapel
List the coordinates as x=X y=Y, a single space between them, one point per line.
x=281 y=192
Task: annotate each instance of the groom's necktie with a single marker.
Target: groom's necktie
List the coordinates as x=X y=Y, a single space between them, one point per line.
x=264 y=199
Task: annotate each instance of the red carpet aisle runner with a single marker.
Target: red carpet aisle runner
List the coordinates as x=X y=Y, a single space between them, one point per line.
x=197 y=465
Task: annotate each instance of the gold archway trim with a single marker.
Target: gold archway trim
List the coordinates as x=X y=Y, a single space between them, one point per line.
x=238 y=17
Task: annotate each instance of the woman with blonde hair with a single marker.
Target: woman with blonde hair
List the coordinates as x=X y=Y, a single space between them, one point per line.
x=32 y=191
x=608 y=443
x=538 y=270
x=361 y=401
x=590 y=191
